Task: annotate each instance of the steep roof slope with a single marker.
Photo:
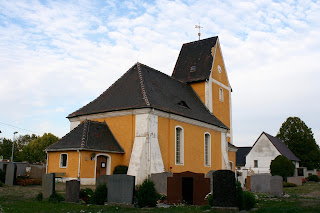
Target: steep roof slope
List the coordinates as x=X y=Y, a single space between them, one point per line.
x=195 y=60
x=142 y=86
x=241 y=155
x=89 y=135
x=282 y=147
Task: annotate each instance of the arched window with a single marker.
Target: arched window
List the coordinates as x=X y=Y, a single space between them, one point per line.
x=179 y=145
x=207 y=149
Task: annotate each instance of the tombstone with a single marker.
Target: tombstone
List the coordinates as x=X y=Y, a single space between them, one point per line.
x=260 y=183
x=72 y=191
x=48 y=185
x=11 y=174
x=276 y=187
x=160 y=180
x=121 y=188
x=295 y=180
x=188 y=187
x=36 y=171
x=102 y=179
x=21 y=169
x=3 y=166
x=209 y=175
x=224 y=188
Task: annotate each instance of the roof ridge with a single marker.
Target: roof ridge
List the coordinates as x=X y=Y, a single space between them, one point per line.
x=201 y=40
x=143 y=90
x=85 y=133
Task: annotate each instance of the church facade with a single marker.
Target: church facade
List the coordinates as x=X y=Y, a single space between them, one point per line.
x=154 y=123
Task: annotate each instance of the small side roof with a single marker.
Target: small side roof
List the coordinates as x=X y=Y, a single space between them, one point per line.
x=195 y=61
x=89 y=135
x=282 y=147
x=241 y=155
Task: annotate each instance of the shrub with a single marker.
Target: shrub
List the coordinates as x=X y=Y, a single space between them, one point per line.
x=239 y=196
x=304 y=180
x=28 y=182
x=120 y=169
x=285 y=184
x=209 y=198
x=2 y=176
x=249 y=200
x=313 y=178
x=56 y=198
x=39 y=197
x=1 y=184
x=100 y=195
x=146 y=194
x=86 y=195
x=282 y=166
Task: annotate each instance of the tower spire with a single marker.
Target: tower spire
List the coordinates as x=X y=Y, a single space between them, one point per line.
x=199 y=26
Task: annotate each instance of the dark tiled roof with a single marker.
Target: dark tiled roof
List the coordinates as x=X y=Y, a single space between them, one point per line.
x=195 y=61
x=142 y=86
x=241 y=155
x=89 y=135
x=232 y=147
x=282 y=147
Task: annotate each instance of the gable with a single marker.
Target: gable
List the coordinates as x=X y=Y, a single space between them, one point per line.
x=263 y=148
x=219 y=72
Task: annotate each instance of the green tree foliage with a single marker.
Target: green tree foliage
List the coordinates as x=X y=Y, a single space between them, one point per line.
x=34 y=151
x=282 y=166
x=6 y=148
x=120 y=169
x=146 y=194
x=299 y=138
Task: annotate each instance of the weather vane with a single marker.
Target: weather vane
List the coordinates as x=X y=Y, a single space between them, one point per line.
x=198 y=26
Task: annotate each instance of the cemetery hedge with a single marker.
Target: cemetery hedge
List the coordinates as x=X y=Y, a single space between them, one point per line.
x=282 y=166
x=120 y=169
x=146 y=194
x=313 y=178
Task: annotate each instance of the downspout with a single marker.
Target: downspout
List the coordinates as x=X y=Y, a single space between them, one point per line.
x=47 y=162
x=79 y=165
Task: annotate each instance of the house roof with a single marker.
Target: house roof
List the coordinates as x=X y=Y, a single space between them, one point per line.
x=144 y=87
x=241 y=155
x=282 y=147
x=89 y=135
x=195 y=60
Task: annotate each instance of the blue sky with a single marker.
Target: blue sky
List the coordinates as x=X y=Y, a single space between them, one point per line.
x=57 y=56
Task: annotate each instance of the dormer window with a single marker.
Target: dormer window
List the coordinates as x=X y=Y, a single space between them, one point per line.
x=183 y=104
x=193 y=69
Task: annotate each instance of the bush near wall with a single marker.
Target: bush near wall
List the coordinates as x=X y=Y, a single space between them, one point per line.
x=313 y=178
x=146 y=194
x=120 y=169
x=26 y=181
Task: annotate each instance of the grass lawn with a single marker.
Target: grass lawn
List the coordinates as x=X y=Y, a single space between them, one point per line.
x=304 y=198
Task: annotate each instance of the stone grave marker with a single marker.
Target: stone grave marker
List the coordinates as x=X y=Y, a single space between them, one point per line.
x=276 y=187
x=210 y=175
x=72 y=191
x=102 y=179
x=295 y=180
x=48 y=185
x=260 y=183
x=224 y=188
x=36 y=171
x=160 y=180
x=121 y=188
x=11 y=174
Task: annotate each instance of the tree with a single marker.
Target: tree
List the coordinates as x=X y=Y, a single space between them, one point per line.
x=282 y=166
x=6 y=148
x=34 y=151
x=299 y=139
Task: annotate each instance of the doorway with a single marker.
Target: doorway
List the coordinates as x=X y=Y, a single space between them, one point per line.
x=187 y=190
x=101 y=165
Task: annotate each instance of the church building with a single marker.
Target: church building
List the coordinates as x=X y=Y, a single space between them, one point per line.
x=154 y=123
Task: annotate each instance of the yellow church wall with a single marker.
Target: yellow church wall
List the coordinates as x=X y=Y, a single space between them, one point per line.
x=88 y=165
x=221 y=109
x=200 y=88
x=193 y=146
x=72 y=163
x=232 y=158
x=123 y=128
x=218 y=60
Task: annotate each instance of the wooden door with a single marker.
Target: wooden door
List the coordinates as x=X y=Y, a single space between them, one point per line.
x=101 y=166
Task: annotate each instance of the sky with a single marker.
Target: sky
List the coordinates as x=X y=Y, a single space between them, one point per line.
x=57 y=56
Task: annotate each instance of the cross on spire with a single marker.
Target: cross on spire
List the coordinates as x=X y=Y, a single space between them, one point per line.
x=199 y=26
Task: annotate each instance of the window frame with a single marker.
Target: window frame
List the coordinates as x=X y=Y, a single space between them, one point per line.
x=207 y=164
x=255 y=164
x=61 y=160
x=181 y=158
x=221 y=95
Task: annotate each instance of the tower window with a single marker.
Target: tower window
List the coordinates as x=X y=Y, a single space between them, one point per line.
x=221 y=94
x=207 y=149
x=179 y=145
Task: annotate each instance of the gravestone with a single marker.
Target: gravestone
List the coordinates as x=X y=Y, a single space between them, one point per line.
x=21 y=169
x=121 y=188
x=295 y=180
x=276 y=187
x=160 y=180
x=224 y=188
x=102 y=179
x=48 y=185
x=11 y=174
x=72 y=191
x=36 y=171
x=260 y=183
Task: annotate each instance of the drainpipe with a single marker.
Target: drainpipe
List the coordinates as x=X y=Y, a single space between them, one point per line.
x=79 y=165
